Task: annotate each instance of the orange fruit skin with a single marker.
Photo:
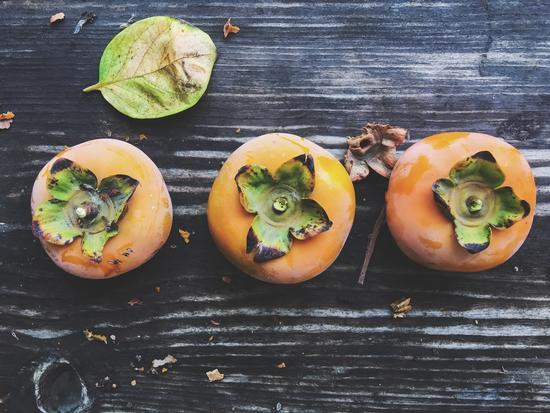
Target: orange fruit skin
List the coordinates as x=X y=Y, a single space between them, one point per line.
x=419 y=227
x=144 y=227
x=229 y=222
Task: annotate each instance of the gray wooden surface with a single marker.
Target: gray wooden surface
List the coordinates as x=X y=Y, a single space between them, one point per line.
x=473 y=342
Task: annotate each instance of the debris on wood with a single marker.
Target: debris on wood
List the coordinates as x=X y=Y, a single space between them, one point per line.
x=128 y=22
x=185 y=235
x=229 y=28
x=401 y=307
x=133 y=382
x=169 y=359
x=134 y=301
x=373 y=237
x=227 y=279
x=374 y=149
x=210 y=339
x=6 y=119
x=157 y=290
x=142 y=137
x=90 y=336
x=164 y=370
x=281 y=365
x=238 y=130
x=516 y=268
x=214 y=375
x=86 y=17
x=215 y=322
x=57 y=17
x=14 y=335
x=112 y=337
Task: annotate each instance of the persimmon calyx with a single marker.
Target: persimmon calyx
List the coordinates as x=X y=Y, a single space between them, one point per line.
x=282 y=206
x=81 y=208
x=474 y=200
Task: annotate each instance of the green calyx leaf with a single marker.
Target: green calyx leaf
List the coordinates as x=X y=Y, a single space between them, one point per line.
x=282 y=206
x=471 y=198
x=156 y=67
x=66 y=178
x=81 y=208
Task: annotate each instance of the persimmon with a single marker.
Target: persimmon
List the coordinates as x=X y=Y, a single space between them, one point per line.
x=281 y=208
x=101 y=208
x=461 y=201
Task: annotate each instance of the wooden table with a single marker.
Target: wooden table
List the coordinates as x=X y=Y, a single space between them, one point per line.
x=473 y=342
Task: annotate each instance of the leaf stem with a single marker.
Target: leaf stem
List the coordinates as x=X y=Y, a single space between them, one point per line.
x=371 y=244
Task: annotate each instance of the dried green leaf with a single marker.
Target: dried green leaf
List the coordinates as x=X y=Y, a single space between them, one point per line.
x=156 y=67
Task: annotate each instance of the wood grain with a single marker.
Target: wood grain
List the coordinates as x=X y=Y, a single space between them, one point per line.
x=473 y=342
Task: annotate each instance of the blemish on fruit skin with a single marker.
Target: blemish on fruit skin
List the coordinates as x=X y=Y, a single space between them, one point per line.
x=430 y=243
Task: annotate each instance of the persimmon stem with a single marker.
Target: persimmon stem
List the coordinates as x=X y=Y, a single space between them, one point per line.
x=371 y=244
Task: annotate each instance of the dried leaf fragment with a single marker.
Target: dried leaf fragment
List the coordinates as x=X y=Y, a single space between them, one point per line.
x=401 y=307
x=281 y=365
x=186 y=235
x=169 y=359
x=134 y=301
x=229 y=28
x=214 y=375
x=86 y=17
x=374 y=148
x=131 y=20
x=90 y=336
x=56 y=18
x=6 y=119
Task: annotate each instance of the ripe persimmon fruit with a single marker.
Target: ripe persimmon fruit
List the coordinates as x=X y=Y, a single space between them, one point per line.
x=101 y=208
x=461 y=201
x=281 y=208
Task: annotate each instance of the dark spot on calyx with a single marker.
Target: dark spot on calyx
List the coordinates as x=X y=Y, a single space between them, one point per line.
x=251 y=241
x=474 y=248
x=308 y=162
x=526 y=208
x=60 y=164
x=264 y=253
x=485 y=155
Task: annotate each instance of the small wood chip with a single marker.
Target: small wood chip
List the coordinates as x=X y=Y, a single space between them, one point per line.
x=6 y=119
x=185 y=235
x=215 y=322
x=281 y=365
x=238 y=130
x=157 y=289
x=56 y=18
x=210 y=339
x=90 y=336
x=142 y=137
x=401 y=307
x=134 y=301
x=164 y=370
x=227 y=279
x=214 y=375
x=229 y=28
x=169 y=359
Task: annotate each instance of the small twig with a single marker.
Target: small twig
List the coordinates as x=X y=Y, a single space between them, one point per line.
x=371 y=244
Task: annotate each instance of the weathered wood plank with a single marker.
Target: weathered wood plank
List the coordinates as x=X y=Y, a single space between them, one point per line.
x=473 y=342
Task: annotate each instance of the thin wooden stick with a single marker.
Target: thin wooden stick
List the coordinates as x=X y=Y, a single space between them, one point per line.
x=371 y=243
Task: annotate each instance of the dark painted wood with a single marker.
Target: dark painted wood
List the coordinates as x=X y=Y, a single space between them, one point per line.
x=473 y=342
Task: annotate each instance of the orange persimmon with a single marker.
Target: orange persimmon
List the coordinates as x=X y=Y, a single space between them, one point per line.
x=101 y=208
x=461 y=201
x=281 y=208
